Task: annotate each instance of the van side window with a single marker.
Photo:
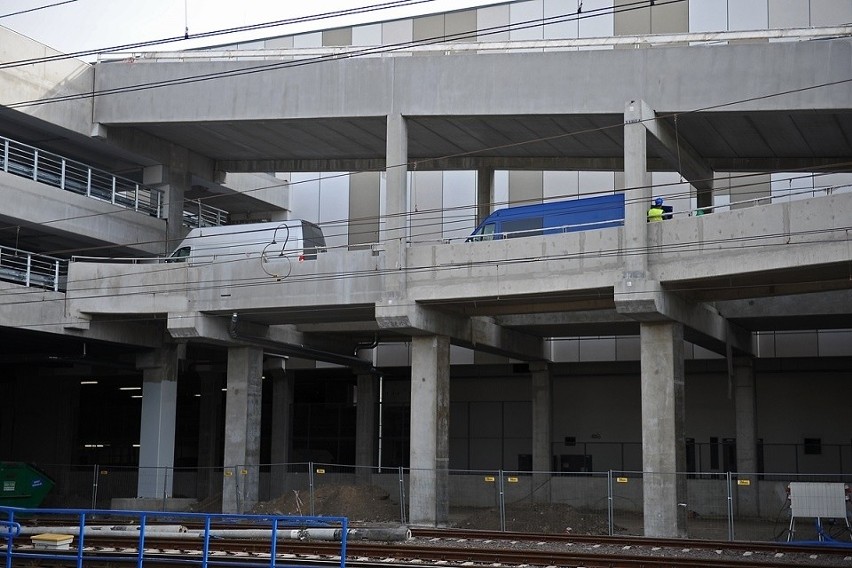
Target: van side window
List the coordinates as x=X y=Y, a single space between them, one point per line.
x=486 y=233
x=522 y=228
x=180 y=254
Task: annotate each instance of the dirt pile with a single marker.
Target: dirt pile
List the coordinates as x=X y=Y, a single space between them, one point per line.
x=371 y=504
x=359 y=503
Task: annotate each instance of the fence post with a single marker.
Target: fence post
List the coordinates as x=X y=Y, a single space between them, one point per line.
x=609 y=503
x=165 y=485
x=401 y=495
x=311 y=485
x=95 y=487
x=502 y=500
x=730 y=507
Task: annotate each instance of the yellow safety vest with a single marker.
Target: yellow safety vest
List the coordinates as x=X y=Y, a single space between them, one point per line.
x=655 y=214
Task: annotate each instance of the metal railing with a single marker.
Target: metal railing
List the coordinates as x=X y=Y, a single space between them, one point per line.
x=52 y=169
x=35 y=536
x=33 y=270
x=458 y=45
x=198 y=214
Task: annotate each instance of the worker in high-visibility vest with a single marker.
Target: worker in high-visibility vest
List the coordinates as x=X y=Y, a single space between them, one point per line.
x=655 y=213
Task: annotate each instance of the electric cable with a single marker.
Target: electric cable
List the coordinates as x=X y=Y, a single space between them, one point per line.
x=226 y=31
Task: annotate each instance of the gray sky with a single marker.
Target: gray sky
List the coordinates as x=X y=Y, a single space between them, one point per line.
x=79 y=25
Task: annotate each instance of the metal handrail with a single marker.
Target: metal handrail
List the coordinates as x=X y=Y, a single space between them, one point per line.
x=199 y=214
x=52 y=169
x=32 y=269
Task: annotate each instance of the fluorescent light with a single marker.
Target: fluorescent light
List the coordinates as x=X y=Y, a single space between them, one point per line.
x=88 y=382
x=130 y=388
x=136 y=396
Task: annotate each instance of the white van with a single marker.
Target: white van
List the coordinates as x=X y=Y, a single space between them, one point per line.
x=294 y=240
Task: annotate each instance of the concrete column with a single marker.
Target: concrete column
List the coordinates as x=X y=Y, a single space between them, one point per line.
x=663 y=443
x=638 y=192
x=366 y=426
x=484 y=193
x=746 y=417
x=430 y=420
x=542 y=430
x=283 y=382
x=174 y=179
x=157 y=431
x=242 y=429
x=210 y=430
x=396 y=234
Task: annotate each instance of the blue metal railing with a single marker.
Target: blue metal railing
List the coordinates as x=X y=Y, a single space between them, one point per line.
x=18 y=526
x=33 y=270
x=52 y=169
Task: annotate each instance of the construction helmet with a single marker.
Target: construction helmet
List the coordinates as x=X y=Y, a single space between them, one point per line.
x=658 y=201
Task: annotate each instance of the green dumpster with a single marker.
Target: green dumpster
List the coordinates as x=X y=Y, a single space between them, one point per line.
x=23 y=485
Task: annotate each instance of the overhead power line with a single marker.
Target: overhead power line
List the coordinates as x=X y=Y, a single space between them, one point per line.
x=215 y=33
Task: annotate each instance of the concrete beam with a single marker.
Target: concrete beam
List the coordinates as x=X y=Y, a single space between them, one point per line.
x=832 y=303
x=646 y=301
x=678 y=152
x=480 y=333
x=582 y=317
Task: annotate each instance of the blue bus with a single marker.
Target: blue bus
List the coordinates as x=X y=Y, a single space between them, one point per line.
x=550 y=218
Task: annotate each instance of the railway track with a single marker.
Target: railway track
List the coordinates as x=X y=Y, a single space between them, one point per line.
x=450 y=548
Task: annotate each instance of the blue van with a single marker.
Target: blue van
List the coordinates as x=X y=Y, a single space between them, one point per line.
x=550 y=218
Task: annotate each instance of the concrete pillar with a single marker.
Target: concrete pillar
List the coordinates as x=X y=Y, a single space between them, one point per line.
x=174 y=179
x=242 y=429
x=484 y=193
x=157 y=431
x=396 y=234
x=430 y=420
x=542 y=430
x=211 y=421
x=663 y=443
x=746 y=418
x=366 y=426
x=638 y=192
x=283 y=382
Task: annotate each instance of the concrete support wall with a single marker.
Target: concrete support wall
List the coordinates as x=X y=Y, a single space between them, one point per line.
x=366 y=427
x=542 y=429
x=210 y=429
x=746 y=418
x=242 y=429
x=157 y=431
x=430 y=420
x=663 y=443
x=282 y=424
